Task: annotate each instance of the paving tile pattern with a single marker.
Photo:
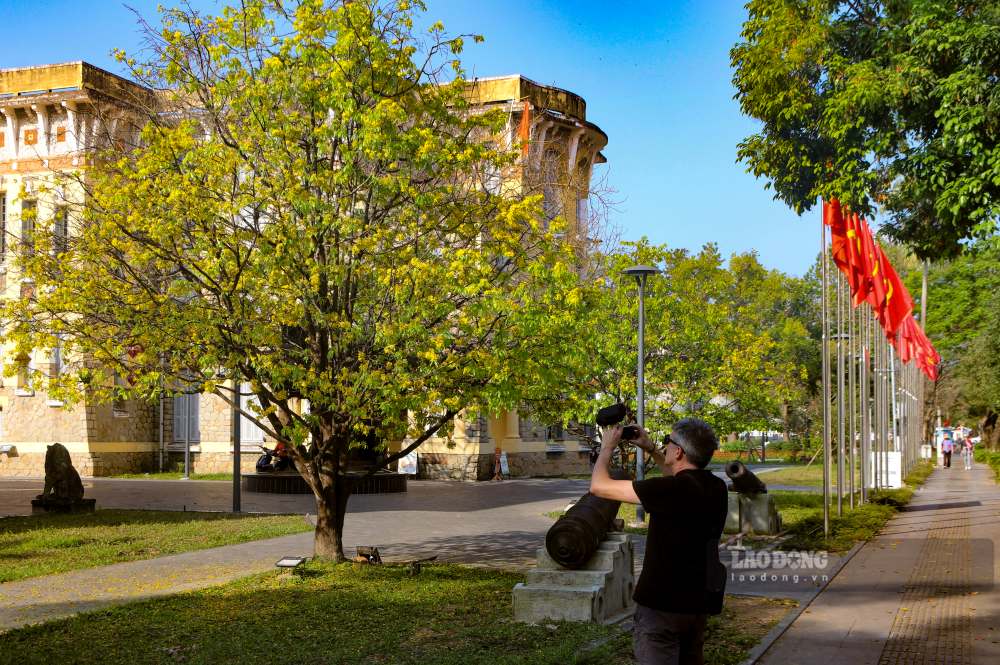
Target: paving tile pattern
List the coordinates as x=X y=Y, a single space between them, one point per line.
x=934 y=623
x=922 y=593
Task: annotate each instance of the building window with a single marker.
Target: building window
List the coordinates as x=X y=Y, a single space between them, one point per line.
x=492 y=179
x=119 y=406
x=582 y=212
x=60 y=230
x=25 y=368
x=250 y=432
x=56 y=366
x=29 y=210
x=551 y=185
x=3 y=224
x=60 y=134
x=30 y=136
x=186 y=418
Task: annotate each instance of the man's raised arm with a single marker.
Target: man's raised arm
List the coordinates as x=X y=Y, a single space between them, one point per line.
x=601 y=482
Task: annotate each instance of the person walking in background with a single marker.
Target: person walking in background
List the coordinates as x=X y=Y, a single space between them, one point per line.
x=947 y=446
x=968 y=447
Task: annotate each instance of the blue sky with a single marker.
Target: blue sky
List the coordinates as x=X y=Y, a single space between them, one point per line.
x=655 y=76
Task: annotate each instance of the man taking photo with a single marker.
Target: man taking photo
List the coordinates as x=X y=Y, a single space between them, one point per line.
x=682 y=580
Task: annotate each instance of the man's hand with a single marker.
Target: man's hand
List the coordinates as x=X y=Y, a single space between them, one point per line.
x=611 y=437
x=647 y=445
x=601 y=483
x=644 y=441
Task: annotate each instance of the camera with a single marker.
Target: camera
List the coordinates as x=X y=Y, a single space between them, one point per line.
x=614 y=414
x=630 y=433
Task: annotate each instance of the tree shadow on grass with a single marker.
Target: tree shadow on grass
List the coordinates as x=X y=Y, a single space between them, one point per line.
x=342 y=614
x=111 y=517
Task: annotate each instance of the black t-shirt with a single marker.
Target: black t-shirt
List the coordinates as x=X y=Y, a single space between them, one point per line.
x=687 y=513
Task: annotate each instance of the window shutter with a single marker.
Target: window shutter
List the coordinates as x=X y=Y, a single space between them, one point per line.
x=194 y=401
x=179 y=417
x=180 y=403
x=250 y=432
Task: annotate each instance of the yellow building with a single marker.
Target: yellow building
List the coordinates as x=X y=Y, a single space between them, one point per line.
x=561 y=150
x=54 y=117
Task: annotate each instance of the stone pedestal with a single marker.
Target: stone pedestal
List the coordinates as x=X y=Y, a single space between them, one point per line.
x=63 y=506
x=600 y=592
x=753 y=513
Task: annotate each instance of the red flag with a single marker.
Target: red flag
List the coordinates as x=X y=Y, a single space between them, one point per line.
x=906 y=340
x=857 y=277
x=832 y=214
x=898 y=303
x=866 y=252
x=833 y=217
x=524 y=128
x=873 y=256
x=920 y=348
x=927 y=357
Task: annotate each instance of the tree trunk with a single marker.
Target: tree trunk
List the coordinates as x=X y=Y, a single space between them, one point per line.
x=331 y=508
x=989 y=430
x=786 y=426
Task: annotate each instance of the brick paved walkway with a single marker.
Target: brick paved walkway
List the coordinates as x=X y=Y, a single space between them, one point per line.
x=922 y=593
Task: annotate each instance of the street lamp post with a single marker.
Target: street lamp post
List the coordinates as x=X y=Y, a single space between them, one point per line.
x=640 y=273
x=237 y=457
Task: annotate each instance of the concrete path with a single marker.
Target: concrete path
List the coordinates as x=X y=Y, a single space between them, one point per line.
x=216 y=495
x=923 y=592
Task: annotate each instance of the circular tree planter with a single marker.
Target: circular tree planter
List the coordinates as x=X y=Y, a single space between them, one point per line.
x=290 y=482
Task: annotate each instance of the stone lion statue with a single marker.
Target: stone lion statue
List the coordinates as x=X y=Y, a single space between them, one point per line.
x=62 y=482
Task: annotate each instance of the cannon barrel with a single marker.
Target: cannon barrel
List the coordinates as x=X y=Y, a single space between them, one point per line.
x=744 y=480
x=575 y=536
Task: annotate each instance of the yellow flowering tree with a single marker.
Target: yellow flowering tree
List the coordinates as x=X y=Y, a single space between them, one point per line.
x=305 y=209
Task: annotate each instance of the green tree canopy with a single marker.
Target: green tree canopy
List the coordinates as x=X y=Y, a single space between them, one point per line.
x=721 y=342
x=878 y=103
x=963 y=311
x=305 y=211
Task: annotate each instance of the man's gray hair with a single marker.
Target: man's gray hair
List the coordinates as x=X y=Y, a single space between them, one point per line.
x=697 y=439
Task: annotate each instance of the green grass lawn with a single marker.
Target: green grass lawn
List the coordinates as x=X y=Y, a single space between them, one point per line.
x=174 y=475
x=802 y=514
x=806 y=476
x=46 y=544
x=990 y=457
x=345 y=614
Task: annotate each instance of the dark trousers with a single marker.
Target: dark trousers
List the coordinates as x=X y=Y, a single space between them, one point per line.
x=947 y=459
x=668 y=638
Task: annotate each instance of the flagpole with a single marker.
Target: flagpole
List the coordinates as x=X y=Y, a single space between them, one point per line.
x=852 y=364
x=923 y=325
x=880 y=382
x=824 y=295
x=840 y=396
x=877 y=388
x=887 y=405
x=865 y=415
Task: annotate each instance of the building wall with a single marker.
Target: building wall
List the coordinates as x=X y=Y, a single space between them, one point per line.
x=473 y=456
x=52 y=131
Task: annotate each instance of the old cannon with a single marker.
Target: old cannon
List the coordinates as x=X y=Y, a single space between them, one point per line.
x=751 y=508
x=744 y=480
x=575 y=536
